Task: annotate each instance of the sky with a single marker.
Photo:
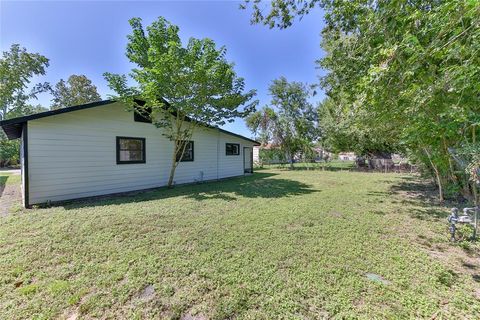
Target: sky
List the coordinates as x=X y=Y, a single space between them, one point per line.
x=89 y=37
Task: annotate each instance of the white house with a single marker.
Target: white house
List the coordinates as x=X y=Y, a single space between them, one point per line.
x=100 y=148
x=347 y=156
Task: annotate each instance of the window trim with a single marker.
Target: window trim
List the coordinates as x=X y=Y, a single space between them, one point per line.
x=193 y=152
x=131 y=161
x=233 y=154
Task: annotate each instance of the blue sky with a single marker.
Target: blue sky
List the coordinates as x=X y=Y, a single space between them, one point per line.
x=89 y=37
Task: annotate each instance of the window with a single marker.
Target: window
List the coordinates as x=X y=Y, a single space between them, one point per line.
x=130 y=150
x=188 y=154
x=232 y=149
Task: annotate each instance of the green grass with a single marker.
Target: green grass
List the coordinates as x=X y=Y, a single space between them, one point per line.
x=7 y=178
x=278 y=244
x=334 y=165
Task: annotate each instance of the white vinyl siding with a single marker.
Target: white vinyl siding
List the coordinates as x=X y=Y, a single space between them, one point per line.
x=73 y=155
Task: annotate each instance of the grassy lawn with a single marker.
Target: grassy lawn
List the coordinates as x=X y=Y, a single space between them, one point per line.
x=278 y=244
x=8 y=178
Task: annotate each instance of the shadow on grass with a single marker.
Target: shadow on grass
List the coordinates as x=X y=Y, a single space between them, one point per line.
x=3 y=182
x=313 y=168
x=258 y=185
x=422 y=195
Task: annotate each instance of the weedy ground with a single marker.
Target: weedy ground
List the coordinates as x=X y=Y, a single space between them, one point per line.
x=280 y=244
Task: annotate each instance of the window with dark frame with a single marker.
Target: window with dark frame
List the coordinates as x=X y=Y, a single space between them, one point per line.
x=130 y=150
x=189 y=152
x=232 y=149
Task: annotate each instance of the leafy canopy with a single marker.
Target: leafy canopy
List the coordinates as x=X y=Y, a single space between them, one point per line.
x=291 y=122
x=78 y=89
x=403 y=75
x=17 y=67
x=195 y=81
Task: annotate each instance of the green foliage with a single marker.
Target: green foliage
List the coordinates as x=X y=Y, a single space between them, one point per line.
x=342 y=130
x=29 y=289
x=9 y=151
x=182 y=85
x=412 y=69
x=77 y=90
x=281 y=13
x=401 y=75
x=17 y=67
x=271 y=155
x=291 y=123
x=470 y=160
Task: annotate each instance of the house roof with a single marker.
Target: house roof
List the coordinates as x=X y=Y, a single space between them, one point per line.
x=13 y=127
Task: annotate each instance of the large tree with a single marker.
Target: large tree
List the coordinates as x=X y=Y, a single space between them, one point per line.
x=291 y=122
x=17 y=67
x=408 y=70
x=78 y=89
x=180 y=87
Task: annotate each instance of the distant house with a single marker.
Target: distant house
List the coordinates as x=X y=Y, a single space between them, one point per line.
x=347 y=156
x=99 y=148
x=276 y=159
x=322 y=155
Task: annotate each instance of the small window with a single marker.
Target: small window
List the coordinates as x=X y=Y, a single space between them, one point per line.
x=232 y=149
x=188 y=154
x=130 y=150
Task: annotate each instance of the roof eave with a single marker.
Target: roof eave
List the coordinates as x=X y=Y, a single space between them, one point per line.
x=13 y=127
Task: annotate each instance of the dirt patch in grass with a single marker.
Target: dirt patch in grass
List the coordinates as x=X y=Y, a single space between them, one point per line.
x=10 y=192
x=147 y=293
x=11 y=197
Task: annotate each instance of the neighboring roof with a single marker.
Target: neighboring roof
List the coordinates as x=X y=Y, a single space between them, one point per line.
x=13 y=127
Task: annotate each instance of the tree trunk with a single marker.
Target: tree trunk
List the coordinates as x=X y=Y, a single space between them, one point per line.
x=174 y=165
x=437 y=176
x=439 y=182
x=178 y=144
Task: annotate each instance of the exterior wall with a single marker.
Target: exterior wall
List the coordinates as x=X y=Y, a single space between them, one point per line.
x=229 y=166
x=256 y=154
x=73 y=155
x=23 y=166
x=347 y=156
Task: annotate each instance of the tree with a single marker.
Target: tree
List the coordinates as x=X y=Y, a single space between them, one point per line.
x=261 y=124
x=291 y=123
x=406 y=69
x=180 y=87
x=78 y=89
x=17 y=67
x=281 y=12
x=10 y=149
x=412 y=67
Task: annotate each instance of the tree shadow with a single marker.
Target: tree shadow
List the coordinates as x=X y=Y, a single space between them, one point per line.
x=3 y=182
x=257 y=185
x=313 y=167
x=422 y=195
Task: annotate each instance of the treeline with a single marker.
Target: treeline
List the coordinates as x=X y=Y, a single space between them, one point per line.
x=402 y=76
x=17 y=93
